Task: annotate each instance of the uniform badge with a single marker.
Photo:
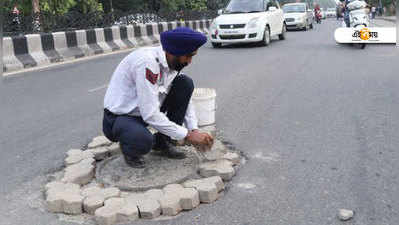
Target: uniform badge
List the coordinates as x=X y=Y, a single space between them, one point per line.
x=151 y=77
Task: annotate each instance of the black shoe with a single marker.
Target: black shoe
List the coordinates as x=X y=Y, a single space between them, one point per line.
x=134 y=162
x=165 y=146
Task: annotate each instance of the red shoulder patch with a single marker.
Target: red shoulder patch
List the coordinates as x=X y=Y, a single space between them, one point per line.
x=151 y=77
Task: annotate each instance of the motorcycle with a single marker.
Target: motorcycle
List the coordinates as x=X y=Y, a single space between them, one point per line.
x=358 y=17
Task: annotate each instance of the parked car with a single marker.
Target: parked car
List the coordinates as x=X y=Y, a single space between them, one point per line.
x=331 y=12
x=298 y=16
x=245 y=21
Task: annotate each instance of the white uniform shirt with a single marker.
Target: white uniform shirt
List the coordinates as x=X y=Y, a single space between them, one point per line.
x=138 y=87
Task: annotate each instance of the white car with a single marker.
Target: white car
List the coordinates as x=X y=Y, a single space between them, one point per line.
x=298 y=16
x=248 y=21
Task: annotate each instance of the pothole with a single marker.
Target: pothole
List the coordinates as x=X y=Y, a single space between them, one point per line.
x=100 y=187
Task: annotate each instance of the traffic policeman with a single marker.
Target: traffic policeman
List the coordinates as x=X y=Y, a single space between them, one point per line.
x=148 y=89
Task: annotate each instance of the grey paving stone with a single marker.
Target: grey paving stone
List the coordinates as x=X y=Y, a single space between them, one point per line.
x=100 y=153
x=116 y=210
x=63 y=198
x=147 y=203
x=189 y=198
x=96 y=196
x=80 y=173
x=173 y=189
x=75 y=156
x=170 y=205
x=208 y=188
x=149 y=208
x=222 y=167
x=155 y=194
x=232 y=157
x=216 y=180
x=99 y=141
x=92 y=203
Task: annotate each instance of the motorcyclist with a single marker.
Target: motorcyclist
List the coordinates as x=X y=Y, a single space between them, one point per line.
x=317 y=12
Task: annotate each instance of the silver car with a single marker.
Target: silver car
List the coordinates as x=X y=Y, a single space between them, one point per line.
x=298 y=16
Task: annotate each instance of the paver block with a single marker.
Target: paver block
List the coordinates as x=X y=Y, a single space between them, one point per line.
x=100 y=153
x=223 y=168
x=74 y=151
x=208 y=188
x=99 y=141
x=111 y=192
x=105 y=192
x=149 y=208
x=155 y=194
x=232 y=157
x=170 y=205
x=189 y=198
x=95 y=197
x=216 y=180
x=114 y=149
x=76 y=156
x=80 y=173
x=92 y=203
x=147 y=203
x=116 y=210
x=63 y=198
x=173 y=189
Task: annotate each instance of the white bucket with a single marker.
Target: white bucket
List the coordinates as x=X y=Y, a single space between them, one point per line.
x=204 y=100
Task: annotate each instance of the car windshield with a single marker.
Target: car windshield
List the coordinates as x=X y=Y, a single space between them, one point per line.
x=293 y=8
x=244 y=6
x=331 y=9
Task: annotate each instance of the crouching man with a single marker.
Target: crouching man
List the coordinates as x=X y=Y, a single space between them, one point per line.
x=148 y=89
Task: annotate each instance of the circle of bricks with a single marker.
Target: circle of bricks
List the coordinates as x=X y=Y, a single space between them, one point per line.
x=71 y=195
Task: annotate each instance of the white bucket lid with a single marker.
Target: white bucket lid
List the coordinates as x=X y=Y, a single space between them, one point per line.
x=204 y=93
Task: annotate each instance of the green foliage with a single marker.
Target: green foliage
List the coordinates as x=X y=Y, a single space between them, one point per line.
x=53 y=6
x=197 y=5
x=63 y=6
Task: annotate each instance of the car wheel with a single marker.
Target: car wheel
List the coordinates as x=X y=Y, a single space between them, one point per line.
x=266 y=37
x=311 y=26
x=282 y=35
x=216 y=45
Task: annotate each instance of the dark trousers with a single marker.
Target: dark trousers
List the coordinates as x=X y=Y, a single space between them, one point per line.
x=132 y=132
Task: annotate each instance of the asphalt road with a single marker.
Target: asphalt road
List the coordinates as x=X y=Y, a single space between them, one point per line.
x=318 y=122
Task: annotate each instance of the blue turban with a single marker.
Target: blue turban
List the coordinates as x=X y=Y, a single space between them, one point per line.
x=182 y=41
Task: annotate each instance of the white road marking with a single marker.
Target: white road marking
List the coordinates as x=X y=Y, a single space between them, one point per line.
x=98 y=88
x=246 y=185
x=271 y=157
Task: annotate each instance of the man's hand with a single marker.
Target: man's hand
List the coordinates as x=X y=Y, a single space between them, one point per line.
x=202 y=141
